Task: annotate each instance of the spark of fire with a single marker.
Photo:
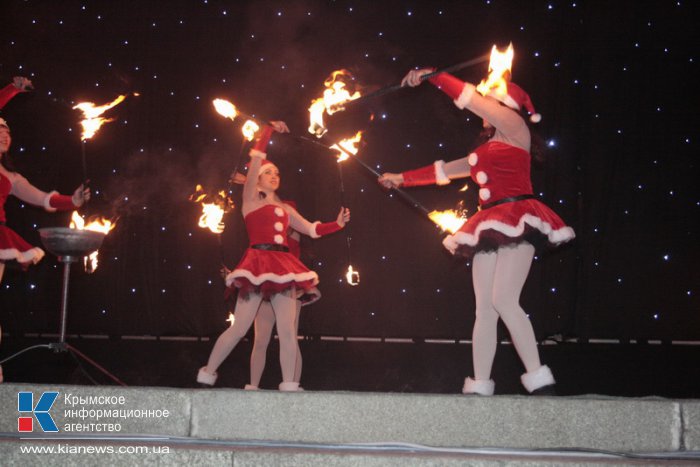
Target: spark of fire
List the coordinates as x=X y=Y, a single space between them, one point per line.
x=449 y=221
x=225 y=108
x=348 y=145
x=499 y=72
x=352 y=276
x=334 y=96
x=231 y=318
x=249 y=129
x=93 y=121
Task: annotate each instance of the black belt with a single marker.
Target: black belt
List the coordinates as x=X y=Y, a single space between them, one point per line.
x=505 y=200
x=270 y=247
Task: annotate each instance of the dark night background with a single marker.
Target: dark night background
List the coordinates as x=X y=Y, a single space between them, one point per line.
x=614 y=82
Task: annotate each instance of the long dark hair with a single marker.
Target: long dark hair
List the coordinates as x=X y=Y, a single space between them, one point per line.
x=537 y=144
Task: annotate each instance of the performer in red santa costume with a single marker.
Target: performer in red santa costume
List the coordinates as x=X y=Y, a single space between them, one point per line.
x=265 y=320
x=268 y=270
x=12 y=246
x=502 y=236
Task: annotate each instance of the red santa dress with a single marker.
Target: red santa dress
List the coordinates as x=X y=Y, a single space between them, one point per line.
x=267 y=266
x=12 y=246
x=508 y=211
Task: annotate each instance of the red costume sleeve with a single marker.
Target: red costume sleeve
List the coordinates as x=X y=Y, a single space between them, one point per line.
x=7 y=93
x=448 y=84
x=62 y=202
x=264 y=139
x=327 y=228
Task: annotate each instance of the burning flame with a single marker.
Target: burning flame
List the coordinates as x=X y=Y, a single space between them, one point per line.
x=450 y=220
x=334 y=96
x=213 y=208
x=225 y=108
x=98 y=225
x=352 y=276
x=231 y=319
x=349 y=145
x=249 y=129
x=499 y=72
x=93 y=121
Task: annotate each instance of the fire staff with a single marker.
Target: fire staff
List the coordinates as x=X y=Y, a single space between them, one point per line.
x=268 y=270
x=502 y=236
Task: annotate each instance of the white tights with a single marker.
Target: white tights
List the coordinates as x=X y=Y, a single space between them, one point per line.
x=264 y=322
x=284 y=306
x=498 y=280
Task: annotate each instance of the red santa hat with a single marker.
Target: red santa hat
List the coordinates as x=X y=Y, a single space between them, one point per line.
x=264 y=165
x=516 y=98
x=4 y=123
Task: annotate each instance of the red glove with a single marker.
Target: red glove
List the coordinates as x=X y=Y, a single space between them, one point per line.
x=327 y=228
x=428 y=175
x=61 y=202
x=448 y=84
x=7 y=93
x=264 y=139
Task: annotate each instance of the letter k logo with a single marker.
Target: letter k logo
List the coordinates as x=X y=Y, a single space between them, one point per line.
x=25 y=403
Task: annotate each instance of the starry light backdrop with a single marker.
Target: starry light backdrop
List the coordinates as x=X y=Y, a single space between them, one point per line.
x=611 y=79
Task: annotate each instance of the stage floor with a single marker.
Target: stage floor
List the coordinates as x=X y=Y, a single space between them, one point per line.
x=626 y=370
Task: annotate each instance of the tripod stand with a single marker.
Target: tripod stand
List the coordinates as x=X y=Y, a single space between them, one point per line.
x=69 y=245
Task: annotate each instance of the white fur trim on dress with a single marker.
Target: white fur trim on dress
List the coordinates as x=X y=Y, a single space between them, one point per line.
x=451 y=242
x=441 y=177
x=478 y=386
x=47 y=201
x=539 y=378
x=269 y=276
x=33 y=255
x=465 y=97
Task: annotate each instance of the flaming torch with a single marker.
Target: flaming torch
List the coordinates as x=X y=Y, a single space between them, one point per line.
x=225 y=108
x=499 y=72
x=334 y=96
x=213 y=208
x=100 y=224
x=92 y=122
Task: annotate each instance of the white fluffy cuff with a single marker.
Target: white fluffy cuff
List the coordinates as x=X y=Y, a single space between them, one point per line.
x=465 y=96
x=537 y=379
x=479 y=386
x=47 y=201
x=257 y=153
x=441 y=177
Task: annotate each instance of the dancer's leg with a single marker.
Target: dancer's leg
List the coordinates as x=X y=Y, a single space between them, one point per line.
x=264 y=322
x=297 y=366
x=484 y=335
x=245 y=314
x=512 y=269
x=284 y=305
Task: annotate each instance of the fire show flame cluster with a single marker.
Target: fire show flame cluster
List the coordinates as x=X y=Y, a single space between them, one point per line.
x=97 y=224
x=214 y=207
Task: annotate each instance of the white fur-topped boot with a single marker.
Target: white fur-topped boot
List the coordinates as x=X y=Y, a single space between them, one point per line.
x=289 y=387
x=539 y=382
x=483 y=387
x=205 y=378
x=250 y=387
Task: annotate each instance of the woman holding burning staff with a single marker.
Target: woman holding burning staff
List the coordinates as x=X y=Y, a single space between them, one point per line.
x=12 y=246
x=265 y=320
x=502 y=236
x=268 y=271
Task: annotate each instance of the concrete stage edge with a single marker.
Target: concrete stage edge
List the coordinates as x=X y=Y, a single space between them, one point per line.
x=236 y=427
